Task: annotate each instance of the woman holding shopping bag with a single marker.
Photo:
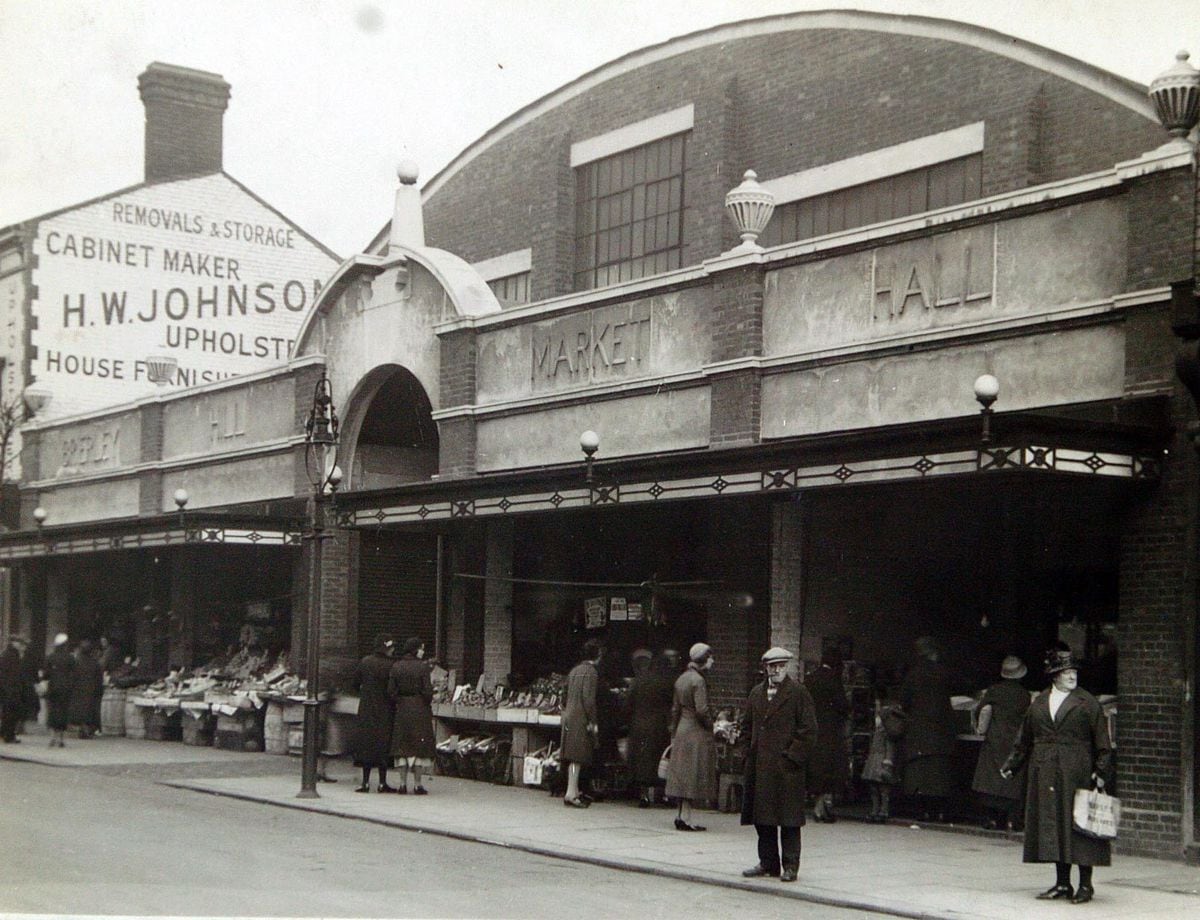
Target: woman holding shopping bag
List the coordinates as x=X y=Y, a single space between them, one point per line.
x=1064 y=740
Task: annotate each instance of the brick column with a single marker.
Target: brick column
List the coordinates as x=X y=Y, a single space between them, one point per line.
x=181 y=639
x=150 y=481
x=498 y=600
x=787 y=575
x=456 y=387
x=736 y=413
x=339 y=605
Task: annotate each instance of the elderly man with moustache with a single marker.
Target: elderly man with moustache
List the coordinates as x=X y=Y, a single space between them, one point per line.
x=781 y=723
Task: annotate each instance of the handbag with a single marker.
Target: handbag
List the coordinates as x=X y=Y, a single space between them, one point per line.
x=1096 y=814
x=664 y=763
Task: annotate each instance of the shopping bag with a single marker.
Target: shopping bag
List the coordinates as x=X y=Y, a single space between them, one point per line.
x=532 y=767
x=664 y=763
x=1096 y=814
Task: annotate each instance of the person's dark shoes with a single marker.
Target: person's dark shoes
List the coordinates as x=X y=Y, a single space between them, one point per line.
x=1083 y=895
x=384 y=787
x=363 y=788
x=644 y=803
x=991 y=825
x=420 y=790
x=681 y=825
x=759 y=871
x=789 y=875
x=1057 y=893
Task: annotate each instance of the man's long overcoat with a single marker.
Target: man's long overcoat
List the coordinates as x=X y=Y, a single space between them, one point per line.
x=782 y=732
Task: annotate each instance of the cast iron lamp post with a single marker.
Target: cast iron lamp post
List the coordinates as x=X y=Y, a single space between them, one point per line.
x=987 y=388
x=320 y=452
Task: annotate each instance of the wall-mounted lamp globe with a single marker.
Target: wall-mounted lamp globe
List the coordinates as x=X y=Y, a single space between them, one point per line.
x=589 y=443
x=987 y=390
x=39 y=516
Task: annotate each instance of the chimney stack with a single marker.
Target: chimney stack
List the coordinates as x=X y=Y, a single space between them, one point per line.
x=185 y=110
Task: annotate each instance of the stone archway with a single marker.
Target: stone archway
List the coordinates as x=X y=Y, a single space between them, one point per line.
x=393 y=437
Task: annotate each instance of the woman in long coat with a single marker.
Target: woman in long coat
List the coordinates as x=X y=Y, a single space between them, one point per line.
x=1064 y=740
x=59 y=670
x=87 y=689
x=580 y=728
x=411 y=688
x=782 y=725
x=1001 y=710
x=372 y=740
x=829 y=765
x=650 y=701
x=928 y=743
x=693 y=767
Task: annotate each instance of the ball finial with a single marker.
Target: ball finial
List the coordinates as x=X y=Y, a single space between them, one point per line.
x=407 y=172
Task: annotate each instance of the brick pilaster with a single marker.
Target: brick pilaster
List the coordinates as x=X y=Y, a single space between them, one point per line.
x=456 y=387
x=736 y=412
x=498 y=600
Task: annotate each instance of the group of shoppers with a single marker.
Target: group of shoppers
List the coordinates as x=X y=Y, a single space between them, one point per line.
x=395 y=716
x=72 y=682
x=1053 y=746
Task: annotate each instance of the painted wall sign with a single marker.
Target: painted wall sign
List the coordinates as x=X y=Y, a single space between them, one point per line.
x=596 y=345
x=197 y=269
x=90 y=447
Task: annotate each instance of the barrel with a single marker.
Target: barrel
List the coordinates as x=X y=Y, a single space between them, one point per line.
x=135 y=719
x=112 y=711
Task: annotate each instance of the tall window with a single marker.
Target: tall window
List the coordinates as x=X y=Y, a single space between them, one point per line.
x=629 y=214
x=925 y=189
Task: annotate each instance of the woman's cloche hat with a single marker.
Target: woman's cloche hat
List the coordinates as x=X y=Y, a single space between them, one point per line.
x=1013 y=668
x=1060 y=659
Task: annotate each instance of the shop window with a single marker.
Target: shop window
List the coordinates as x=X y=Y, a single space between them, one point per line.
x=511 y=290
x=629 y=214
x=938 y=186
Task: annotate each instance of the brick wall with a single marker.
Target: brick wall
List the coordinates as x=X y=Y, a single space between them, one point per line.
x=1162 y=219
x=780 y=104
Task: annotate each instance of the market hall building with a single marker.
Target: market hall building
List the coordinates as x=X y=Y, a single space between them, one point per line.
x=790 y=450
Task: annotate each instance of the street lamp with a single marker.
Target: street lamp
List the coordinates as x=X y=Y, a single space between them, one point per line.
x=987 y=388
x=324 y=475
x=39 y=516
x=589 y=443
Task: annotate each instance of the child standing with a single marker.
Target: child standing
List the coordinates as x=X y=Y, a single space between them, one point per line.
x=879 y=771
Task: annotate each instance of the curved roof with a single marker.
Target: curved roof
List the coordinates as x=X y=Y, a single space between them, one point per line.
x=1118 y=89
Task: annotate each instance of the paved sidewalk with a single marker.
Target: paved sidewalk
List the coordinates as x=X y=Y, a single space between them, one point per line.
x=896 y=869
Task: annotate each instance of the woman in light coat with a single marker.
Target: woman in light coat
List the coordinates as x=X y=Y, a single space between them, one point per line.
x=693 y=766
x=1064 y=740
x=579 y=726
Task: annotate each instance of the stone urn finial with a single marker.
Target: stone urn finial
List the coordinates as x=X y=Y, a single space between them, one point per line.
x=1176 y=96
x=750 y=206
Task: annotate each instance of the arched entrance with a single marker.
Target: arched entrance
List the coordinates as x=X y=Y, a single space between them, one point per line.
x=396 y=440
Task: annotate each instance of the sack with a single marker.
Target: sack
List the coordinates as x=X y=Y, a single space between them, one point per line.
x=664 y=763
x=1096 y=814
x=895 y=721
x=531 y=771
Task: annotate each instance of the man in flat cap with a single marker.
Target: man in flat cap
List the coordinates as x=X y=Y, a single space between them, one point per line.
x=782 y=724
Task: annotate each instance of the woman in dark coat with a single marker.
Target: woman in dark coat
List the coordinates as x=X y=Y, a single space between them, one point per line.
x=928 y=743
x=60 y=676
x=1001 y=710
x=650 y=700
x=782 y=726
x=12 y=690
x=372 y=741
x=411 y=688
x=1064 y=740
x=87 y=689
x=829 y=765
x=580 y=728
x=692 y=775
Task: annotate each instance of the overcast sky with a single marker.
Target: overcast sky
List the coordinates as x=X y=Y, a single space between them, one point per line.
x=329 y=94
